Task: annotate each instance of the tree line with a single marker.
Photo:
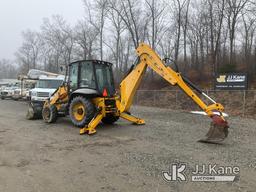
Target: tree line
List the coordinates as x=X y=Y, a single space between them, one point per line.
x=202 y=37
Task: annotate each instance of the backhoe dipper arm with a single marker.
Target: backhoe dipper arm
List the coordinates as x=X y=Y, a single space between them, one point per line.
x=149 y=58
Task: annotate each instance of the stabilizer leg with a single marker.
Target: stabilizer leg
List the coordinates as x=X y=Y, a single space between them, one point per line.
x=133 y=119
x=91 y=127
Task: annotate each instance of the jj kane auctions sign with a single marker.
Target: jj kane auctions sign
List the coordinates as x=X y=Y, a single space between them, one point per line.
x=231 y=81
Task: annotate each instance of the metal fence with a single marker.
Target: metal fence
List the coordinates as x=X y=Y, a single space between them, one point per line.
x=239 y=103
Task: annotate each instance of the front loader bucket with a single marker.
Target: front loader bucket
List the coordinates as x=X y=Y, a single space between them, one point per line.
x=217 y=132
x=34 y=111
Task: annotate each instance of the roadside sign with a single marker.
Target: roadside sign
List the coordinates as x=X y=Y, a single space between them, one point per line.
x=231 y=81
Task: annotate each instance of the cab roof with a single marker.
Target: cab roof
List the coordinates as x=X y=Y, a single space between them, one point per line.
x=93 y=61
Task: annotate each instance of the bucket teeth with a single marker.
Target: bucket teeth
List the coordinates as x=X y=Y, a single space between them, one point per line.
x=217 y=132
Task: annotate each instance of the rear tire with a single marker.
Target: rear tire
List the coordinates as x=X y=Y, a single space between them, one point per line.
x=81 y=111
x=50 y=114
x=110 y=119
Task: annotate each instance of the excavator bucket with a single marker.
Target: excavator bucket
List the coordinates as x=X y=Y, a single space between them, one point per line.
x=217 y=132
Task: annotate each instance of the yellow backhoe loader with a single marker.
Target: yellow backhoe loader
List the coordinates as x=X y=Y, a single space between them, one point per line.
x=89 y=95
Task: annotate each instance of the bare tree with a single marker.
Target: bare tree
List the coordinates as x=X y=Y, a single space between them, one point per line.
x=97 y=19
x=179 y=6
x=8 y=69
x=130 y=13
x=156 y=27
x=58 y=39
x=215 y=19
x=85 y=37
x=28 y=53
x=234 y=8
x=248 y=34
x=117 y=30
x=185 y=27
x=203 y=36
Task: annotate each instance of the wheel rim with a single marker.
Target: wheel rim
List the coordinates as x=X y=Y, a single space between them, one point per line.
x=79 y=111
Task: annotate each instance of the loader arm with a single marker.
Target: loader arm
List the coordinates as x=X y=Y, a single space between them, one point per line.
x=149 y=58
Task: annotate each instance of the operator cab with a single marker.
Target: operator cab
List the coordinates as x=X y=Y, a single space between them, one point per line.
x=91 y=77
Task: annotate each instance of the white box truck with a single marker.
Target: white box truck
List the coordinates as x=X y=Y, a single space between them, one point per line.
x=47 y=84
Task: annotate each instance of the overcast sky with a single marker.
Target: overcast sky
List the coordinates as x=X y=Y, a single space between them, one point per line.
x=19 y=15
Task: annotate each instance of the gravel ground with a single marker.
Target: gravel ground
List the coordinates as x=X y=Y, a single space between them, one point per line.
x=35 y=156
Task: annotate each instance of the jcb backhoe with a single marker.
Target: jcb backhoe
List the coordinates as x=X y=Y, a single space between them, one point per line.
x=89 y=95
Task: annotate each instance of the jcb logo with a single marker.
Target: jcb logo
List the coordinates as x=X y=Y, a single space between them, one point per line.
x=175 y=173
x=221 y=79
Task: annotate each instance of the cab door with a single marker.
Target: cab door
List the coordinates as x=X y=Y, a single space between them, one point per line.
x=73 y=76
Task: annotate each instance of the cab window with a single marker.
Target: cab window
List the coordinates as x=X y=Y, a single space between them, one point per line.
x=87 y=79
x=73 y=76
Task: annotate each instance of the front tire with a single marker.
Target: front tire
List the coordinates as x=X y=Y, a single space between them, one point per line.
x=81 y=111
x=50 y=114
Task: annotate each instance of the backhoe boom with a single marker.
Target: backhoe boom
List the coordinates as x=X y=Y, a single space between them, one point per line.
x=149 y=58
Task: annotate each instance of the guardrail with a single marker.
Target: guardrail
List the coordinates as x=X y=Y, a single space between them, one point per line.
x=239 y=103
